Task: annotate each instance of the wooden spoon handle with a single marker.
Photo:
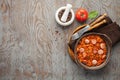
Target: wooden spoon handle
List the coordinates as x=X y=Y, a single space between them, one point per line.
x=98 y=24
x=99 y=19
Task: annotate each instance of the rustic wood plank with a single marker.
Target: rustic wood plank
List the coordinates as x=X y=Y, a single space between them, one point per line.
x=34 y=47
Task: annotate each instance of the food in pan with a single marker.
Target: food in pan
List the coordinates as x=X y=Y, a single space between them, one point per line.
x=91 y=50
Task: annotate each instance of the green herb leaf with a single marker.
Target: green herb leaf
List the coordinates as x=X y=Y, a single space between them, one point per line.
x=93 y=14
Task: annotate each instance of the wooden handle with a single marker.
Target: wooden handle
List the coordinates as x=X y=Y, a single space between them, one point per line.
x=99 y=19
x=98 y=24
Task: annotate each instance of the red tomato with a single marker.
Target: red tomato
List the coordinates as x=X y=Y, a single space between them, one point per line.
x=81 y=15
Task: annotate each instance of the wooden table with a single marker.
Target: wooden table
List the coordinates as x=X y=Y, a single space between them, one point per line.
x=34 y=47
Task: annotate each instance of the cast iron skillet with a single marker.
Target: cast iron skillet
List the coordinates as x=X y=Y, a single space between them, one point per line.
x=108 y=44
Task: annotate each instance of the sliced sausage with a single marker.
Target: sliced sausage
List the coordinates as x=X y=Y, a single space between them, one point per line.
x=100 y=51
x=93 y=41
x=87 y=41
x=82 y=50
x=94 y=62
x=102 y=45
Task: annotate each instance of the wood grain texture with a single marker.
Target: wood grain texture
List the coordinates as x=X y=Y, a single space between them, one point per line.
x=34 y=47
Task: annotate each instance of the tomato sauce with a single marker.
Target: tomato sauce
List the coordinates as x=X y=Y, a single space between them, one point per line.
x=91 y=50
